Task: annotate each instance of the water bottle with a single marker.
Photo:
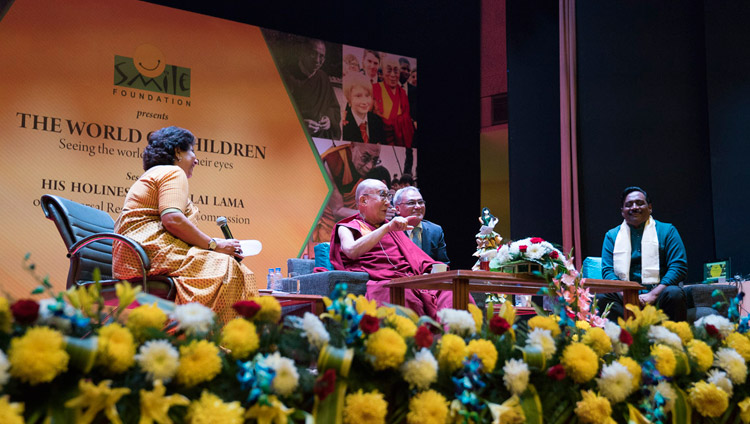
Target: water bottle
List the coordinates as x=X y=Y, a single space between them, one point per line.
x=270 y=279
x=277 y=277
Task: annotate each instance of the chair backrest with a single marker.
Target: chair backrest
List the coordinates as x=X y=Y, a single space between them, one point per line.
x=75 y=221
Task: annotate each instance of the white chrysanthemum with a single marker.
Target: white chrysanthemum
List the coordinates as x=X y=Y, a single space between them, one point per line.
x=48 y=318
x=501 y=256
x=666 y=391
x=612 y=330
x=516 y=376
x=513 y=250
x=616 y=382
x=722 y=324
x=287 y=378
x=659 y=334
x=732 y=362
x=458 y=322
x=535 y=251
x=193 y=318
x=4 y=366
x=421 y=371
x=315 y=330
x=158 y=359
x=542 y=339
x=719 y=378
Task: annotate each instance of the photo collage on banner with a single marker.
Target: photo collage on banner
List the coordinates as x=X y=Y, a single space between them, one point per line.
x=359 y=107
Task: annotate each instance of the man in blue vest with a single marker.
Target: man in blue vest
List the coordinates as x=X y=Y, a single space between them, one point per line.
x=647 y=251
x=427 y=235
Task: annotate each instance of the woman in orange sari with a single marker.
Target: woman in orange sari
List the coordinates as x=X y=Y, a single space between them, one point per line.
x=159 y=214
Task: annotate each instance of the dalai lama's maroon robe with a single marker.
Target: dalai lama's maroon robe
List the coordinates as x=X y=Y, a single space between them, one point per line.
x=395 y=256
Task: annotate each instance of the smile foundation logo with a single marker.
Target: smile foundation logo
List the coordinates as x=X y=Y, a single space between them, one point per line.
x=148 y=70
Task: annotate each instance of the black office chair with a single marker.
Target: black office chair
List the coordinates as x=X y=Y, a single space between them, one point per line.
x=88 y=234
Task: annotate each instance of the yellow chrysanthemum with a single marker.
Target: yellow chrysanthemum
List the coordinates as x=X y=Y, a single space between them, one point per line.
x=545 y=323
x=485 y=351
x=665 y=359
x=645 y=317
x=211 y=409
x=145 y=318
x=681 y=328
x=580 y=362
x=593 y=409
x=270 y=309
x=404 y=326
x=10 y=413
x=421 y=371
x=634 y=368
x=451 y=352
x=364 y=306
x=583 y=325
x=116 y=348
x=745 y=410
x=740 y=343
x=38 y=356
x=240 y=337
x=199 y=362
x=365 y=408
x=6 y=318
x=429 y=407
x=478 y=316
x=701 y=354
x=387 y=348
x=271 y=411
x=598 y=340
x=707 y=399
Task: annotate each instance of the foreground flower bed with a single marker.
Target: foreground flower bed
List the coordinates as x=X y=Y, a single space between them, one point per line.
x=69 y=360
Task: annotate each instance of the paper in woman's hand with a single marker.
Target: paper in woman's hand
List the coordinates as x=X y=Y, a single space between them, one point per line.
x=250 y=248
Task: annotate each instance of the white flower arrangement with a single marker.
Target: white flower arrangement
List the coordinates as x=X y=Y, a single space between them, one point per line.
x=421 y=371
x=315 y=330
x=659 y=334
x=459 y=322
x=616 y=382
x=193 y=318
x=719 y=378
x=722 y=324
x=4 y=366
x=732 y=362
x=542 y=339
x=158 y=359
x=286 y=379
x=516 y=377
x=530 y=249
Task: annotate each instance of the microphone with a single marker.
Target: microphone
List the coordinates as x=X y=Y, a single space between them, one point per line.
x=222 y=223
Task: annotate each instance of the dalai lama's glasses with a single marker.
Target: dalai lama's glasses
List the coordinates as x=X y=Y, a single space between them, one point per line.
x=382 y=194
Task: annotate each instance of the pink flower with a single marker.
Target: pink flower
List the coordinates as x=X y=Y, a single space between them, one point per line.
x=536 y=240
x=522 y=248
x=568 y=279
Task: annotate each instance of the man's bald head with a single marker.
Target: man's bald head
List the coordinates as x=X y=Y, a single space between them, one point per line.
x=372 y=201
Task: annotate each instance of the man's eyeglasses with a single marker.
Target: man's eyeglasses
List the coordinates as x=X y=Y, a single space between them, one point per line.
x=375 y=160
x=412 y=203
x=384 y=195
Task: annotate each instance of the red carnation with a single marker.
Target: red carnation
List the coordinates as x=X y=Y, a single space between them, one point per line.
x=325 y=384
x=712 y=331
x=522 y=248
x=25 y=311
x=626 y=337
x=423 y=336
x=553 y=254
x=556 y=373
x=369 y=324
x=246 y=308
x=499 y=325
x=537 y=239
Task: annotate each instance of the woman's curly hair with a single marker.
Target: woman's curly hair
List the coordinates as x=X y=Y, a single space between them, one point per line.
x=162 y=144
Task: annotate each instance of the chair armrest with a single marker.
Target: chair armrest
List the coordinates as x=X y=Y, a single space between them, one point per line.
x=145 y=262
x=323 y=283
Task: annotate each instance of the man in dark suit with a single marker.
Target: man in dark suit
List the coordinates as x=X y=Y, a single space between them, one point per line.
x=427 y=235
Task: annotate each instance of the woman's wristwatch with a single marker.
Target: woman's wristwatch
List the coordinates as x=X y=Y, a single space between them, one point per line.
x=212 y=244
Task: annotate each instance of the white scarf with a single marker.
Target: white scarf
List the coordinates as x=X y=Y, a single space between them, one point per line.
x=649 y=253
